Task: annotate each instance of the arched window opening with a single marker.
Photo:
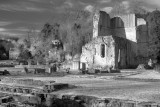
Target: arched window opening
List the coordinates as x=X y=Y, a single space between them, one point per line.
x=102 y=50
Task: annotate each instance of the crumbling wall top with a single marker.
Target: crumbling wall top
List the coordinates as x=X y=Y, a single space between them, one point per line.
x=25 y=81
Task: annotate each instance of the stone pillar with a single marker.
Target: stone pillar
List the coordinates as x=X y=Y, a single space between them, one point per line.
x=48 y=70
x=101 y=22
x=96 y=19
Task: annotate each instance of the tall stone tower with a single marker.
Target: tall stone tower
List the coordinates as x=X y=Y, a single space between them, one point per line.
x=101 y=24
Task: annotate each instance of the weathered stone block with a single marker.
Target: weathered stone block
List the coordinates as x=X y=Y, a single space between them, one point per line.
x=147 y=104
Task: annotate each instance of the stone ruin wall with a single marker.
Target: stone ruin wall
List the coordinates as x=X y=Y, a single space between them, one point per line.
x=101 y=24
x=91 y=52
x=124 y=53
x=142 y=37
x=109 y=58
x=96 y=19
x=118 y=53
x=128 y=26
x=121 y=26
x=87 y=55
x=124 y=26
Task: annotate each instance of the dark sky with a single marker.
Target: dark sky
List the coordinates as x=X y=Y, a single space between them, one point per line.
x=17 y=16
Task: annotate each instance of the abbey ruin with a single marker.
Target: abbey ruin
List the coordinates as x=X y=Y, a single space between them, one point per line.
x=118 y=42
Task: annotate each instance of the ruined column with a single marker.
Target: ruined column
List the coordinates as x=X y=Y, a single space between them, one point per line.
x=96 y=19
x=101 y=24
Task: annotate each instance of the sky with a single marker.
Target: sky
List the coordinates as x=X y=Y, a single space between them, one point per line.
x=17 y=17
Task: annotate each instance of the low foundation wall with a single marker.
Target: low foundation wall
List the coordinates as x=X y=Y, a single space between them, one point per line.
x=31 y=66
x=90 y=101
x=58 y=100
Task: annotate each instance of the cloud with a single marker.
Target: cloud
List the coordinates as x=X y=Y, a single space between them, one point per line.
x=151 y=5
x=36 y=0
x=20 y=31
x=89 y=8
x=20 y=13
x=5 y=23
x=149 y=9
x=123 y=7
x=125 y=4
x=63 y=6
x=2 y=29
x=153 y=2
x=24 y=29
x=104 y=1
x=34 y=9
x=22 y=7
x=12 y=34
x=68 y=3
x=107 y=9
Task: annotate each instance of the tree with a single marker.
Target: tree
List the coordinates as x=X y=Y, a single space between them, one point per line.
x=50 y=31
x=42 y=43
x=23 y=46
x=76 y=30
x=153 y=20
x=25 y=55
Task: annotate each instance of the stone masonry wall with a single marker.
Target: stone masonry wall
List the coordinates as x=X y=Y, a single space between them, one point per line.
x=101 y=24
x=129 y=40
x=130 y=27
x=91 y=52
